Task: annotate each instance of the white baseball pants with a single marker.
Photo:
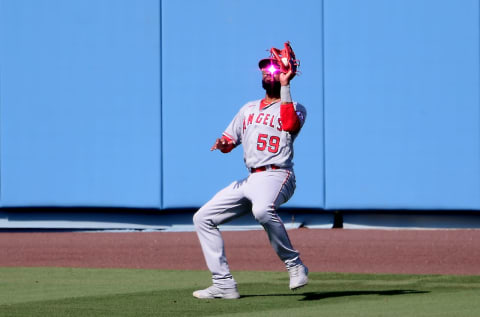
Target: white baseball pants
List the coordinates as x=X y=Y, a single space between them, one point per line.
x=262 y=193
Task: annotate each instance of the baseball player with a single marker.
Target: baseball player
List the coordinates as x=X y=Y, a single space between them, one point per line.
x=267 y=129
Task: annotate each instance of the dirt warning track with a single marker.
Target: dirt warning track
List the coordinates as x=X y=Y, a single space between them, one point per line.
x=323 y=250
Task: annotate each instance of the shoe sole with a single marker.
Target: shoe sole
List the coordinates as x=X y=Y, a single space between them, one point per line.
x=218 y=297
x=298 y=287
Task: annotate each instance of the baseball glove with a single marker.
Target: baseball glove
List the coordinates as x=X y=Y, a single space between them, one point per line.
x=285 y=58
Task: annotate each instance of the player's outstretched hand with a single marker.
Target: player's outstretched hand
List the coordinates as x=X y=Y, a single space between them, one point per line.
x=285 y=78
x=223 y=145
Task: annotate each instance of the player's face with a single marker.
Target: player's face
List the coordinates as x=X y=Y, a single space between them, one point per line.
x=270 y=74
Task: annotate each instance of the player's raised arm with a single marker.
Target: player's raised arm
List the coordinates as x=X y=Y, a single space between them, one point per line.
x=288 y=69
x=290 y=120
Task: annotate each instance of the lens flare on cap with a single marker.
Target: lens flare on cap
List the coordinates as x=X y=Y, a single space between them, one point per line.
x=272 y=69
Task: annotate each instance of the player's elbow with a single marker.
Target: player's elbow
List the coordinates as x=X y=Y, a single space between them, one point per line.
x=289 y=118
x=291 y=127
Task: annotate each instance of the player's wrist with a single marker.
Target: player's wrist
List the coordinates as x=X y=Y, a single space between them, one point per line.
x=285 y=95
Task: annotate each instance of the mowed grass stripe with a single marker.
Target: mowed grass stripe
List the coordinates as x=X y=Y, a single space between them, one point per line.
x=120 y=292
x=19 y=285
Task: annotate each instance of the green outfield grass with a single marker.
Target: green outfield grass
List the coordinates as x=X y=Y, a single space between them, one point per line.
x=121 y=292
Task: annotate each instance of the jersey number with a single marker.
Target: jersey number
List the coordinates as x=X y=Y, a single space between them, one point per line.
x=265 y=142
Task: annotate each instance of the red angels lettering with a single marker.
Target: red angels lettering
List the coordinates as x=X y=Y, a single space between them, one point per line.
x=260 y=117
x=271 y=122
x=266 y=119
x=244 y=126
x=250 y=118
x=279 y=125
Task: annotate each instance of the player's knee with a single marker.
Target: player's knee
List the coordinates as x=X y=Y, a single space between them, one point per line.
x=198 y=219
x=263 y=214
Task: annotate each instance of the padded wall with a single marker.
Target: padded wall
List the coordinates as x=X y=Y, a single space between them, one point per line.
x=80 y=103
x=117 y=102
x=402 y=104
x=210 y=71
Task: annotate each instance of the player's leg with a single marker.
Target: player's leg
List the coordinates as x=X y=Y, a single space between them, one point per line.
x=227 y=204
x=267 y=191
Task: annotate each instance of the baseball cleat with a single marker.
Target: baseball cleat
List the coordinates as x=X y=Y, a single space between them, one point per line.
x=298 y=276
x=216 y=292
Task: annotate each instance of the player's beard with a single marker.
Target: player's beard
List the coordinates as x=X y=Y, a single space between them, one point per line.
x=272 y=88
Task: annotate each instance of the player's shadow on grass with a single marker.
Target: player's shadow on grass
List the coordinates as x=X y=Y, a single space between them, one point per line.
x=324 y=295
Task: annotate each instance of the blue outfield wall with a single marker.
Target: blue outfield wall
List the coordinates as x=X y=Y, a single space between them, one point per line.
x=80 y=103
x=117 y=102
x=210 y=70
x=402 y=104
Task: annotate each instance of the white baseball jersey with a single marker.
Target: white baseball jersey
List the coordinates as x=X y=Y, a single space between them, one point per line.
x=260 y=132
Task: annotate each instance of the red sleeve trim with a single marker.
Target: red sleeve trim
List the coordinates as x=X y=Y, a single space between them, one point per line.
x=290 y=120
x=228 y=137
